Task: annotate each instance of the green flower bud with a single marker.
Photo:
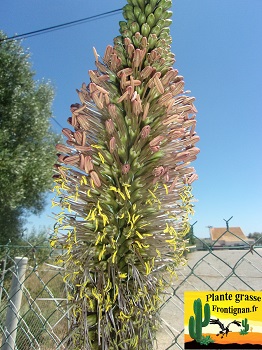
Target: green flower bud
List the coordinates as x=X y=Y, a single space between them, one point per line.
x=166 y=30
x=137 y=11
x=152 y=40
x=156 y=30
x=129 y=22
x=130 y=15
x=141 y=4
x=134 y=154
x=142 y=18
x=167 y=14
x=136 y=41
x=122 y=153
x=168 y=22
x=145 y=29
x=134 y=27
x=135 y=3
x=158 y=13
x=165 y=34
x=151 y=20
x=118 y=40
x=161 y=23
x=148 y=9
x=128 y=7
x=123 y=26
x=127 y=33
x=163 y=43
x=166 y=4
x=153 y=3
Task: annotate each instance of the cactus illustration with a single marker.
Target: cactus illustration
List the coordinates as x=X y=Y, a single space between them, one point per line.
x=246 y=327
x=196 y=323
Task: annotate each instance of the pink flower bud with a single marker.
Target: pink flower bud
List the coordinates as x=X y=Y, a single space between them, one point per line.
x=145 y=131
x=110 y=127
x=112 y=145
x=95 y=179
x=125 y=168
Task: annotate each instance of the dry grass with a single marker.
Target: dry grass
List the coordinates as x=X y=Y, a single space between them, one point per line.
x=43 y=310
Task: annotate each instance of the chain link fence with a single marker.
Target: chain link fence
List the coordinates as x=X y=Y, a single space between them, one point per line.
x=43 y=319
x=211 y=267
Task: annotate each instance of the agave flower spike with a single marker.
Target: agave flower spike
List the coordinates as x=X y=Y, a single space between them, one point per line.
x=124 y=185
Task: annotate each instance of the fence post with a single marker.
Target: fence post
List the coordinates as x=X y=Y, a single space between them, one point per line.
x=2 y=276
x=15 y=298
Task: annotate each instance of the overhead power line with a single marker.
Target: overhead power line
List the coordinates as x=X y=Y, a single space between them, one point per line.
x=62 y=26
x=57 y=122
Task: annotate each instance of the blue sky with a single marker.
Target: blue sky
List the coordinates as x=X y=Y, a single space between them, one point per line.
x=218 y=50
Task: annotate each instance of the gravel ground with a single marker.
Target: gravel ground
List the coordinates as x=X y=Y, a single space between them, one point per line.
x=222 y=270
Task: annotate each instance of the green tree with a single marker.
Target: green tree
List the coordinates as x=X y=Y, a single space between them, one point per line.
x=27 y=144
x=124 y=184
x=257 y=236
x=11 y=223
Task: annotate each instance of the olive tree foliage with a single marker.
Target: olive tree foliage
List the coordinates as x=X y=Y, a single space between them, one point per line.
x=11 y=224
x=257 y=236
x=27 y=144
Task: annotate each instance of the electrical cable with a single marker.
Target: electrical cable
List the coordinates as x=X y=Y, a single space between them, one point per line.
x=58 y=27
x=61 y=26
x=57 y=122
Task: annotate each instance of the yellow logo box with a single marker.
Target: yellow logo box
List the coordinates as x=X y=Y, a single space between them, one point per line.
x=224 y=317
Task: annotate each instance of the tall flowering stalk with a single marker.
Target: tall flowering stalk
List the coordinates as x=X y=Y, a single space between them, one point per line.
x=124 y=184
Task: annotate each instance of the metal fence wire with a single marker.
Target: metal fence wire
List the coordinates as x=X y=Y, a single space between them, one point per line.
x=42 y=321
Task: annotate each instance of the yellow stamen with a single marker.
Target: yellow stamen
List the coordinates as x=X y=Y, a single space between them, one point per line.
x=152 y=194
x=126 y=190
x=139 y=244
x=129 y=220
x=122 y=316
x=83 y=180
x=166 y=230
x=166 y=188
x=105 y=219
x=108 y=286
x=102 y=253
x=158 y=253
x=134 y=218
x=139 y=235
x=117 y=190
x=96 y=146
x=148 y=268
x=101 y=157
x=114 y=257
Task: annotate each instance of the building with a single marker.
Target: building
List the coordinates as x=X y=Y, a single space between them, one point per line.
x=233 y=237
